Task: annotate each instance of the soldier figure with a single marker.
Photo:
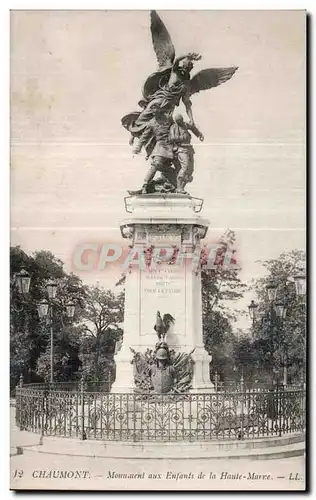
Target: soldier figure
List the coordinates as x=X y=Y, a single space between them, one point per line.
x=183 y=160
x=162 y=154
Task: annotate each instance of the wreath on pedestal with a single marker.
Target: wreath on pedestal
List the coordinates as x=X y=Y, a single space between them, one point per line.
x=182 y=364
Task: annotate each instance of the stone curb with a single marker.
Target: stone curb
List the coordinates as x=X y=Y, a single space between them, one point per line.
x=125 y=451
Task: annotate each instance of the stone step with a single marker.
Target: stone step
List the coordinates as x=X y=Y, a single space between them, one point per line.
x=217 y=444
x=59 y=446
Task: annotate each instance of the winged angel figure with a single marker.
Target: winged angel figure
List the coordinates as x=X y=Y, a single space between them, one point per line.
x=171 y=83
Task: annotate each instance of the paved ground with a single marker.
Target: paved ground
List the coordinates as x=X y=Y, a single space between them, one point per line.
x=44 y=471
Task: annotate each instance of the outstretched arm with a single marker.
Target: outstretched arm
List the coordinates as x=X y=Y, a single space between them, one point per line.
x=196 y=131
x=188 y=107
x=192 y=55
x=177 y=61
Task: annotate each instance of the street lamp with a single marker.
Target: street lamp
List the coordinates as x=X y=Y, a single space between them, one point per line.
x=42 y=309
x=51 y=289
x=300 y=283
x=70 y=309
x=253 y=311
x=45 y=309
x=23 y=280
x=280 y=310
x=272 y=291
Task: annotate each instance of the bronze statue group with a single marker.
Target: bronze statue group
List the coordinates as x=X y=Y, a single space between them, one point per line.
x=163 y=134
x=173 y=155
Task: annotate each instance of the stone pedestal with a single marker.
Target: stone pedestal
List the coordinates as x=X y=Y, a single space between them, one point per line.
x=167 y=230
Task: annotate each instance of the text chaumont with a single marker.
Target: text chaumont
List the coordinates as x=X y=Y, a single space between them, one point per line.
x=61 y=474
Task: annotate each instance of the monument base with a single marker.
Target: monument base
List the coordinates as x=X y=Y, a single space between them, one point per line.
x=201 y=379
x=124 y=382
x=163 y=278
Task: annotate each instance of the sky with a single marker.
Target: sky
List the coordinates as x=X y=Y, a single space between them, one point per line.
x=74 y=74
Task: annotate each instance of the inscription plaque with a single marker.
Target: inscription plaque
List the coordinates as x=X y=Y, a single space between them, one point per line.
x=163 y=289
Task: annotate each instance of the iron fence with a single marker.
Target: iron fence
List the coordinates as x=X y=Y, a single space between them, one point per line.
x=167 y=417
x=89 y=386
x=235 y=385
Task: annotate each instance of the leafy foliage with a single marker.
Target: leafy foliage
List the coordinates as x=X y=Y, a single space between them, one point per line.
x=220 y=286
x=101 y=318
x=84 y=344
x=29 y=335
x=276 y=343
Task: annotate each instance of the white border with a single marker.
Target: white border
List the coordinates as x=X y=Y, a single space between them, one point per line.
x=4 y=135
x=160 y=5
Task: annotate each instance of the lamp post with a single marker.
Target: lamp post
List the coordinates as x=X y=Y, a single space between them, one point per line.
x=279 y=310
x=253 y=307
x=300 y=287
x=23 y=280
x=45 y=309
x=272 y=289
x=300 y=283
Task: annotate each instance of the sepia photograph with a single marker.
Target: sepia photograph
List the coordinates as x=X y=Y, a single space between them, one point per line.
x=158 y=307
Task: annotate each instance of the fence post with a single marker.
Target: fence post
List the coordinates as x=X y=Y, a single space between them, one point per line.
x=303 y=396
x=242 y=388
x=83 y=432
x=216 y=380
x=20 y=400
x=44 y=413
x=280 y=412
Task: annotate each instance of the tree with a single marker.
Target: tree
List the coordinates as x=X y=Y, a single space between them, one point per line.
x=220 y=286
x=85 y=345
x=30 y=336
x=101 y=319
x=220 y=343
x=283 y=342
x=247 y=355
x=67 y=363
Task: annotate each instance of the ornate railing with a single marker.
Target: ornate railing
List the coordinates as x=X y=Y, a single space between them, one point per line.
x=231 y=386
x=89 y=386
x=167 y=417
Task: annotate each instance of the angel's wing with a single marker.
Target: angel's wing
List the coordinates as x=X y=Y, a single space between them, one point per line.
x=209 y=78
x=162 y=42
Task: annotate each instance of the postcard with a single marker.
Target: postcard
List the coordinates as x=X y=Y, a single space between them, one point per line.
x=158 y=266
